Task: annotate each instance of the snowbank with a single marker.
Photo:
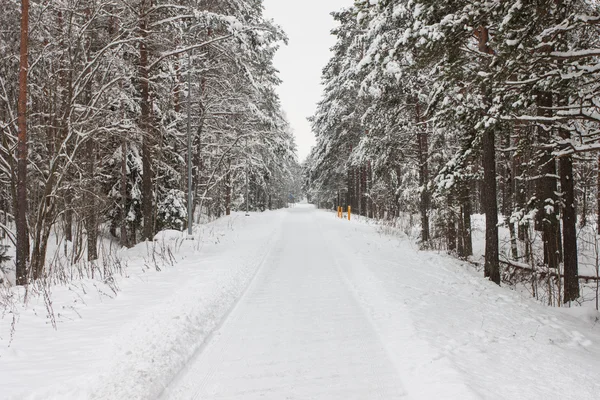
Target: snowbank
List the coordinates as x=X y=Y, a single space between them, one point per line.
x=439 y=316
x=130 y=343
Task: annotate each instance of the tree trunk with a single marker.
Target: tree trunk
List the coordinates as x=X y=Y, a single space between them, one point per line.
x=492 y=260
x=356 y=195
x=490 y=199
x=569 y=220
x=423 y=148
x=598 y=197
x=584 y=206
x=22 y=150
x=370 y=203
x=520 y=190
x=68 y=218
x=147 y=178
x=451 y=233
x=227 y=190
x=466 y=215
x=514 y=249
x=124 y=237
x=548 y=206
x=91 y=220
x=460 y=245
x=350 y=194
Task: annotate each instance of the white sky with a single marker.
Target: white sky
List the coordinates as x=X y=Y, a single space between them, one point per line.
x=308 y=24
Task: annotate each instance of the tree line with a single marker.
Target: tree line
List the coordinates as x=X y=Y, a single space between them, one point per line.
x=450 y=108
x=98 y=100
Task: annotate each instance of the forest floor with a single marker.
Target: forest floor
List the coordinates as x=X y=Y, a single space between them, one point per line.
x=296 y=304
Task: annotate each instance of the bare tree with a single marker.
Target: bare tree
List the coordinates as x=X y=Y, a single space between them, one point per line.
x=22 y=151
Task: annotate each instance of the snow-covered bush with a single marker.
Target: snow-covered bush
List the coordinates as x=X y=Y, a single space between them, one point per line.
x=4 y=258
x=172 y=211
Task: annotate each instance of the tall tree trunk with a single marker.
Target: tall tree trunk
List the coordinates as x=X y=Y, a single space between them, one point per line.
x=356 y=195
x=466 y=215
x=509 y=199
x=63 y=102
x=492 y=259
x=91 y=220
x=569 y=220
x=22 y=150
x=350 y=194
x=548 y=206
x=520 y=185
x=364 y=190
x=423 y=148
x=124 y=237
x=584 y=206
x=227 y=190
x=490 y=200
x=198 y=165
x=460 y=245
x=68 y=216
x=451 y=234
x=598 y=197
x=370 y=204
x=146 y=126
x=568 y=253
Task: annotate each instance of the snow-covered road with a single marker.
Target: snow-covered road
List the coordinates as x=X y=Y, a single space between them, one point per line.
x=340 y=311
x=298 y=304
x=299 y=332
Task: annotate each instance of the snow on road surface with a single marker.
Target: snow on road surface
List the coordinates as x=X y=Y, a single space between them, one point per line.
x=130 y=345
x=299 y=304
x=299 y=332
x=340 y=312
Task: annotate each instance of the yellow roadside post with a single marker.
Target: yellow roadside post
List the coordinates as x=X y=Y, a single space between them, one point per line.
x=349 y=212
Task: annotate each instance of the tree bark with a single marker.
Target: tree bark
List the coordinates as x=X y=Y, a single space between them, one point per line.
x=548 y=206
x=466 y=215
x=147 y=178
x=370 y=203
x=22 y=255
x=598 y=197
x=584 y=207
x=363 y=190
x=490 y=195
x=451 y=234
x=569 y=220
x=460 y=245
x=423 y=148
x=124 y=237
x=227 y=190
x=492 y=260
x=91 y=220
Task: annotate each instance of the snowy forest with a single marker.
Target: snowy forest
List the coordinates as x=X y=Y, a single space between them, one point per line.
x=447 y=110
x=100 y=101
x=170 y=172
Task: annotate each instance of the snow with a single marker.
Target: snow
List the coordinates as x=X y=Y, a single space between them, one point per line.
x=169 y=235
x=129 y=345
x=299 y=304
x=489 y=334
x=298 y=330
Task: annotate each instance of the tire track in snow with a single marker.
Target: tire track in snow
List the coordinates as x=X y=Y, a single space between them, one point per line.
x=425 y=372
x=298 y=332
x=273 y=238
